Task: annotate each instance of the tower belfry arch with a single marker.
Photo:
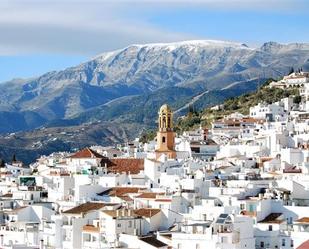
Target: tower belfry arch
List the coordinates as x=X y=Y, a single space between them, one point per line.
x=165 y=134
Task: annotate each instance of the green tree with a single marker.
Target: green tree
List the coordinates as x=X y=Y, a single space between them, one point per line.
x=297 y=99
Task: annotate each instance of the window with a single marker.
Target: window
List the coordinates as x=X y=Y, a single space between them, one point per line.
x=270 y=228
x=262 y=244
x=252 y=208
x=223 y=239
x=283 y=242
x=164 y=125
x=118 y=225
x=163 y=139
x=290 y=220
x=87 y=237
x=130 y=223
x=292 y=243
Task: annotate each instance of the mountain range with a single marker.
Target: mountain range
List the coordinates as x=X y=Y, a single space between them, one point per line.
x=128 y=85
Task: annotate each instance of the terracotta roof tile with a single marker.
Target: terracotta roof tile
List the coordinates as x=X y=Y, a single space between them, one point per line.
x=142 y=212
x=126 y=198
x=248 y=213
x=91 y=228
x=304 y=245
x=7 y=195
x=303 y=220
x=151 y=240
x=121 y=191
x=147 y=212
x=87 y=153
x=163 y=200
x=149 y=195
x=120 y=165
x=272 y=218
x=292 y=169
x=86 y=207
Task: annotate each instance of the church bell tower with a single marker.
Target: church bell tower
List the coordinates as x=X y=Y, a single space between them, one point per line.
x=165 y=134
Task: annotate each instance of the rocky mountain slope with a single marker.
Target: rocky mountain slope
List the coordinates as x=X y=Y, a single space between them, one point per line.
x=28 y=146
x=112 y=79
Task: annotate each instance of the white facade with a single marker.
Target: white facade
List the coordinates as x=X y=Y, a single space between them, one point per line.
x=269 y=112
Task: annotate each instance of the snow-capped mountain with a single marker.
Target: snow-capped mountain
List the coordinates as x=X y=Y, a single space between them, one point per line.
x=110 y=79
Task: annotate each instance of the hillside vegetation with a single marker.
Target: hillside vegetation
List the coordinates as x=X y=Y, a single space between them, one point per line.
x=239 y=104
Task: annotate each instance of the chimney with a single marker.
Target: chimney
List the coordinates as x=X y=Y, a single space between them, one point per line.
x=1 y=240
x=204 y=217
x=41 y=244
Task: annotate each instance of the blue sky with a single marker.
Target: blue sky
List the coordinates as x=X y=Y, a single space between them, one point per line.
x=26 y=66
x=248 y=26
x=38 y=36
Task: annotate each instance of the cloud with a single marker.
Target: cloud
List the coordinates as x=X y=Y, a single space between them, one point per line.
x=256 y=5
x=73 y=27
x=225 y=3
x=88 y=27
